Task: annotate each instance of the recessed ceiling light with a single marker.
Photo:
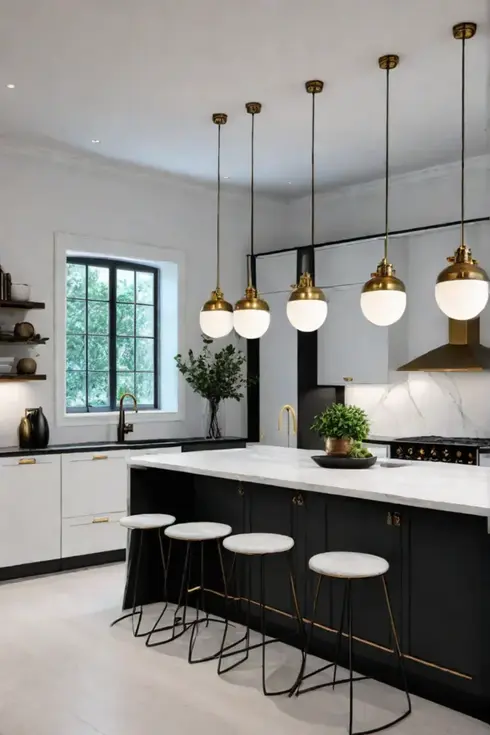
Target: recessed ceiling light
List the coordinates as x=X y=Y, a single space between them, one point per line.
x=10 y=86
x=95 y=140
x=289 y=182
x=226 y=177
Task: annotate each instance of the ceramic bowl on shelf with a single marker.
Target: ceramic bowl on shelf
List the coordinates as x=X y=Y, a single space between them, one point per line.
x=21 y=292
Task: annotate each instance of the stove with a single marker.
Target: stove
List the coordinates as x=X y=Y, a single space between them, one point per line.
x=452 y=449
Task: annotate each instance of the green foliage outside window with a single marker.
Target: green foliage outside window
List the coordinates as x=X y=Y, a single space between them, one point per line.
x=110 y=334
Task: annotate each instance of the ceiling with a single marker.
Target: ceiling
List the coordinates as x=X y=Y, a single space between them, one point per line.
x=144 y=77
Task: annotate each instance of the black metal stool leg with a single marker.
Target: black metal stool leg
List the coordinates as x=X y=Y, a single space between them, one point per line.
x=341 y=631
x=228 y=650
x=134 y=612
x=351 y=682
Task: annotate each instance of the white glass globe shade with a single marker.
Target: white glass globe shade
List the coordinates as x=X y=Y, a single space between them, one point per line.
x=462 y=299
x=383 y=307
x=217 y=323
x=307 y=316
x=251 y=323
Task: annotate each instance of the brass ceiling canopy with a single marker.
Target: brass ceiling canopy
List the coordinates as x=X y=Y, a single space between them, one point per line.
x=462 y=288
x=462 y=353
x=307 y=305
x=383 y=297
x=216 y=317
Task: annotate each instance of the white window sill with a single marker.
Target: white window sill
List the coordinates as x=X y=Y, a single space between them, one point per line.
x=111 y=418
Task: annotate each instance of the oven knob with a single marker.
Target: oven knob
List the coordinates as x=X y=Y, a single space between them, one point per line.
x=433 y=453
x=399 y=451
x=410 y=451
x=458 y=454
x=422 y=452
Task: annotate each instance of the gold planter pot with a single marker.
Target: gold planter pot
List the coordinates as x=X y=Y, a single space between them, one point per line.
x=338 y=447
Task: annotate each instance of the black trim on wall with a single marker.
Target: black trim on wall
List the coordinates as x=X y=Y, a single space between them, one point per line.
x=312 y=398
x=253 y=370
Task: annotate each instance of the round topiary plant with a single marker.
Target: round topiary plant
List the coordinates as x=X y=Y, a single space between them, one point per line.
x=341 y=425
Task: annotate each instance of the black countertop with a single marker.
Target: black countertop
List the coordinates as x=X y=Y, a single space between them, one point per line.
x=106 y=446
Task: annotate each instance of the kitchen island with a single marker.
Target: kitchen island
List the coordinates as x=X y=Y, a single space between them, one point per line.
x=429 y=520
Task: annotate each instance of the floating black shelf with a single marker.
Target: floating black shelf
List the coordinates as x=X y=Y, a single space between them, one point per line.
x=15 y=341
x=13 y=377
x=22 y=305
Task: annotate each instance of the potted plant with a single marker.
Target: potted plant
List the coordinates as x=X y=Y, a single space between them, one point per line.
x=342 y=427
x=216 y=376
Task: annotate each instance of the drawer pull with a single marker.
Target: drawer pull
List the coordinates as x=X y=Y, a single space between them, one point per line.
x=27 y=460
x=100 y=520
x=99 y=456
x=348 y=380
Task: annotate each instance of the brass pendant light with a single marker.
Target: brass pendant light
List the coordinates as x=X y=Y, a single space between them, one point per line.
x=216 y=317
x=251 y=317
x=307 y=306
x=383 y=297
x=462 y=287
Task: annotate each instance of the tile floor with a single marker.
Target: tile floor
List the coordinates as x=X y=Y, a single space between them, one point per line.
x=63 y=671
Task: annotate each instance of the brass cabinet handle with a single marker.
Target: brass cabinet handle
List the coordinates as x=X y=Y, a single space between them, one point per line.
x=27 y=460
x=100 y=520
x=100 y=456
x=348 y=380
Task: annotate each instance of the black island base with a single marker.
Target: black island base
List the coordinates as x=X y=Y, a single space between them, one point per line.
x=439 y=577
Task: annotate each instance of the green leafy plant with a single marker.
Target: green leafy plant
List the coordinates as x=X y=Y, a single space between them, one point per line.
x=339 y=421
x=216 y=376
x=358 y=451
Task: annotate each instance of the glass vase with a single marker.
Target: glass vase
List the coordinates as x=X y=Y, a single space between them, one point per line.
x=213 y=419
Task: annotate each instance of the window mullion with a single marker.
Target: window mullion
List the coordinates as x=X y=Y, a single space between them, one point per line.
x=112 y=336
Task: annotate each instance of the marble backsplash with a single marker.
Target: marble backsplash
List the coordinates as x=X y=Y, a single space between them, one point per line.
x=445 y=404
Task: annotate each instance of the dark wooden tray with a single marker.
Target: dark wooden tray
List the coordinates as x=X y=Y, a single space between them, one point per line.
x=344 y=463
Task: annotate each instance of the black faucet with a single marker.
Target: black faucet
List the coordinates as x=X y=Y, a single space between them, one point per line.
x=122 y=427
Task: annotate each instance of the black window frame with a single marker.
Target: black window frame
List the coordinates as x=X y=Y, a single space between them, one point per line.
x=113 y=266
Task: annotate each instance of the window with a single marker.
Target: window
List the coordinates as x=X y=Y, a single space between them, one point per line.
x=111 y=334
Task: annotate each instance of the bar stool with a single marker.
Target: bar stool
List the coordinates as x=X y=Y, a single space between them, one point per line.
x=142 y=523
x=191 y=533
x=351 y=566
x=262 y=545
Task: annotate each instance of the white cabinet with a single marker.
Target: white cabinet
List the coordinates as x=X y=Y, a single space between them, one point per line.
x=30 y=496
x=90 y=534
x=94 y=497
x=339 y=265
x=350 y=349
x=278 y=372
x=276 y=272
x=93 y=483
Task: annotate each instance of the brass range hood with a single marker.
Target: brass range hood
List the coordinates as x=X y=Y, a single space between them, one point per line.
x=463 y=353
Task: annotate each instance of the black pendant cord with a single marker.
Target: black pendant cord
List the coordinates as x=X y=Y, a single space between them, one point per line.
x=463 y=131
x=387 y=160
x=313 y=170
x=252 y=200
x=218 y=207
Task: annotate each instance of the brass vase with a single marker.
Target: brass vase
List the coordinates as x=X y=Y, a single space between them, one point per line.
x=338 y=447
x=26 y=366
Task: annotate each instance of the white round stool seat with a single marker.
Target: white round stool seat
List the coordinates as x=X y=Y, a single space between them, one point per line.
x=198 y=531
x=258 y=543
x=348 y=564
x=146 y=521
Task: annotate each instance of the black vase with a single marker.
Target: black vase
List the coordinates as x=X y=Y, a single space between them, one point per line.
x=40 y=428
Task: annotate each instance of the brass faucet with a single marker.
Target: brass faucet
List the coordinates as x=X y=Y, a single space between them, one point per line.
x=122 y=427
x=291 y=413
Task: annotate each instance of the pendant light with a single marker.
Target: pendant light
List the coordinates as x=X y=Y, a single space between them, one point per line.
x=216 y=317
x=383 y=297
x=251 y=317
x=462 y=287
x=307 y=306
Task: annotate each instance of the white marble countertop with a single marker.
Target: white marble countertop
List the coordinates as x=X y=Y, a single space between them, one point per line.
x=435 y=485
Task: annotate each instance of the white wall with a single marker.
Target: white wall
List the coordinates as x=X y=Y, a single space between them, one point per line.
x=39 y=196
x=427 y=197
